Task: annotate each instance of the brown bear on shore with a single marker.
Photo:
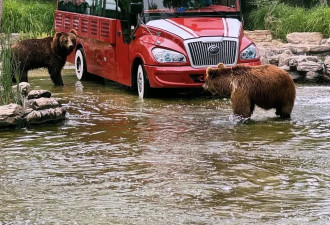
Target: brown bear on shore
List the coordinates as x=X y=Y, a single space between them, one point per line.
x=49 y=52
x=266 y=86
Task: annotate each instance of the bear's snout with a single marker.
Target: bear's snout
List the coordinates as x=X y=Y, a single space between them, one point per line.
x=70 y=47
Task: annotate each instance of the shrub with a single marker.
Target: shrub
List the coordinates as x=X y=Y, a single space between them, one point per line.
x=282 y=19
x=28 y=16
x=5 y=82
x=6 y=92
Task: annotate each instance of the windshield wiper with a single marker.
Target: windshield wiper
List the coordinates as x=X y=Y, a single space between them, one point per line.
x=143 y=24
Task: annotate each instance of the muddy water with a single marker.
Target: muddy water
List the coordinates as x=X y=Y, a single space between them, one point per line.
x=118 y=159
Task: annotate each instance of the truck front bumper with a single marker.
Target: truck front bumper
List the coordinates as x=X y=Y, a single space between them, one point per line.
x=179 y=76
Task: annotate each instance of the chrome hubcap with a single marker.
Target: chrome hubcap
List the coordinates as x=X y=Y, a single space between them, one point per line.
x=140 y=81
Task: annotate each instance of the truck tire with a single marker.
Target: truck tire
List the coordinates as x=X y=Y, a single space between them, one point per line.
x=143 y=87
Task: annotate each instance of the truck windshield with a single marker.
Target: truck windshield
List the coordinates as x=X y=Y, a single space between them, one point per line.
x=182 y=7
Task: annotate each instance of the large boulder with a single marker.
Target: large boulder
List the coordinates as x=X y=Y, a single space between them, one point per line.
x=260 y=35
x=45 y=116
x=284 y=58
x=313 y=76
x=307 y=48
x=38 y=108
x=319 y=48
x=39 y=94
x=302 y=56
x=11 y=116
x=305 y=63
x=307 y=42
x=327 y=65
x=309 y=66
x=42 y=103
x=297 y=48
x=305 y=38
x=23 y=88
x=271 y=55
x=43 y=110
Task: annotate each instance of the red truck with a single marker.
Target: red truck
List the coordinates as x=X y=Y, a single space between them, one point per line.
x=149 y=44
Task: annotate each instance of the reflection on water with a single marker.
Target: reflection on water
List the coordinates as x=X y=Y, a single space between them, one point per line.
x=118 y=159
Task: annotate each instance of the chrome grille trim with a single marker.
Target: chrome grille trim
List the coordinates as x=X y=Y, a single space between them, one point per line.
x=199 y=55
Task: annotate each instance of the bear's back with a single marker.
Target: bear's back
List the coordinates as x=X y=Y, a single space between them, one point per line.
x=33 y=53
x=270 y=85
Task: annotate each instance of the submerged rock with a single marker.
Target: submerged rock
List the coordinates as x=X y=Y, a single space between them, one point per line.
x=39 y=94
x=39 y=108
x=42 y=103
x=43 y=110
x=11 y=116
x=45 y=116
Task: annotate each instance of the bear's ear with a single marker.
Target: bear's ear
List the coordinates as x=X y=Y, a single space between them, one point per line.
x=58 y=35
x=56 y=38
x=73 y=31
x=220 y=66
x=209 y=72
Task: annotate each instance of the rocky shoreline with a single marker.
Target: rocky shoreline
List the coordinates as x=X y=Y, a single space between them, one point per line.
x=38 y=108
x=306 y=55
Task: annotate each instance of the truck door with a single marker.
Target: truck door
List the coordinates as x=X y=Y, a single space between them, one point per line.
x=122 y=42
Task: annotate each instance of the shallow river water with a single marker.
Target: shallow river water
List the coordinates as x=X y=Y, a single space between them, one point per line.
x=118 y=159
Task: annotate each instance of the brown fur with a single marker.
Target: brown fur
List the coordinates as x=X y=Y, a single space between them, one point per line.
x=49 y=52
x=266 y=86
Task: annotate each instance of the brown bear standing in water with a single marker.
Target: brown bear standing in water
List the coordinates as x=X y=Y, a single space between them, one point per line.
x=49 y=52
x=266 y=86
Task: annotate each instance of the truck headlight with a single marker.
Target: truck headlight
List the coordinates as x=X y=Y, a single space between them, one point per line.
x=249 y=53
x=164 y=55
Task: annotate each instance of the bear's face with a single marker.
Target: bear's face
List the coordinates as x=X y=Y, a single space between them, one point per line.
x=68 y=40
x=211 y=74
x=219 y=80
x=65 y=43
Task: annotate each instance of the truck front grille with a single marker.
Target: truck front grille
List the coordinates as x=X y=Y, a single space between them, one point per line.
x=201 y=56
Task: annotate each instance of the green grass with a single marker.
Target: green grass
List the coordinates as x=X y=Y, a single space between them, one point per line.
x=31 y=18
x=282 y=19
x=7 y=94
x=28 y=16
x=5 y=74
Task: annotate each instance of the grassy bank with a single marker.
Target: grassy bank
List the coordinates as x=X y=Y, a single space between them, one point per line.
x=28 y=16
x=282 y=19
x=7 y=95
x=32 y=18
x=5 y=73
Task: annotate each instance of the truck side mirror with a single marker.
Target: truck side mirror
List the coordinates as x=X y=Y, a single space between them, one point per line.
x=136 y=7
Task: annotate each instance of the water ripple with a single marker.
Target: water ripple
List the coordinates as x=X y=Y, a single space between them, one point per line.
x=118 y=159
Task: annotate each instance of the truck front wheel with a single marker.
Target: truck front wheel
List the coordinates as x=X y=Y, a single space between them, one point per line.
x=142 y=82
x=80 y=65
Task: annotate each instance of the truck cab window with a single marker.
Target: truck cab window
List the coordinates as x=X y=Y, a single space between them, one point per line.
x=125 y=18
